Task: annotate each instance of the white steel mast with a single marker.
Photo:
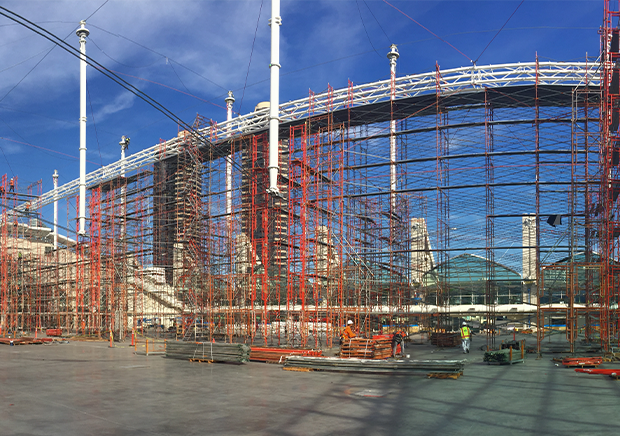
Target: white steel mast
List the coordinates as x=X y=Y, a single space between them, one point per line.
x=82 y=33
x=393 y=56
x=274 y=101
x=55 y=178
x=229 y=115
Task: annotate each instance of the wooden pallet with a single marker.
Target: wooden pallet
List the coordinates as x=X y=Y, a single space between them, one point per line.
x=445 y=375
x=202 y=360
x=298 y=369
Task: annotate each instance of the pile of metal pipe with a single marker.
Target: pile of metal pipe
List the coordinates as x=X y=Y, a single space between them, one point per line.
x=208 y=351
x=370 y=365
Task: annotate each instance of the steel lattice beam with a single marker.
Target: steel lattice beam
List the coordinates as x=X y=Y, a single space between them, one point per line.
x=453 y=81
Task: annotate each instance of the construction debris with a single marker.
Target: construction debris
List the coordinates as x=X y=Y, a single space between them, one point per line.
x=613 y=357
x=208 y=351
x=375 y=366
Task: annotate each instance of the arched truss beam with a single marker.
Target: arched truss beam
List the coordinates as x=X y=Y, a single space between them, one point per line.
x=514 y=85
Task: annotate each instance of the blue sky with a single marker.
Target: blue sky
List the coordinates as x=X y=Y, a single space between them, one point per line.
x=187 y=54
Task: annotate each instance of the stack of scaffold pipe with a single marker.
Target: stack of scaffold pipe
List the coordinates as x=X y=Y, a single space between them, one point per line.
x=510 y=352
x=208 y=351
x=371 y=365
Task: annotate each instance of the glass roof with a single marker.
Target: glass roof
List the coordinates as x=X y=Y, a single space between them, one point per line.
x=555 y=275
x=468 y=268
x=581 y=258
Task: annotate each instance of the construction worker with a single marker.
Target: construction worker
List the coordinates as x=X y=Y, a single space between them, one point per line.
x=11 y=185
x=465 y=337
x=348 y=332
x=27 y=207
x=398 y=339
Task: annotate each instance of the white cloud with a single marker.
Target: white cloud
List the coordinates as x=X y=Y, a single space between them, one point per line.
x=9 y=148
x=122 y=101
x=193 y=33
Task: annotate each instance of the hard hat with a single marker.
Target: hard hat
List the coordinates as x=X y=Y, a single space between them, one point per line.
x=464 y=323
x=349 y=322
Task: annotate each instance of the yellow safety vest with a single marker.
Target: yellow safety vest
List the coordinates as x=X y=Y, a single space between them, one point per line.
x=465 y=332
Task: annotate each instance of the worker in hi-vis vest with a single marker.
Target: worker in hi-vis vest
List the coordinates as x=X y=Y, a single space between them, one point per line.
x=465 y=337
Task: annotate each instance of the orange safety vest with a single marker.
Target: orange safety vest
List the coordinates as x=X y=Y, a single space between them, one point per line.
x=348 y=333
x=465 y=332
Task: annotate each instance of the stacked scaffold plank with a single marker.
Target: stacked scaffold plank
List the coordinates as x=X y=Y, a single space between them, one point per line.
x=24 y=341
x=208 y=351
x=375 y=366
x=278 y=355
x=383 y=348
x=361 y=348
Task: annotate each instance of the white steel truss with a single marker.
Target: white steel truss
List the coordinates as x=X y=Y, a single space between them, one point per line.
x=570 y=74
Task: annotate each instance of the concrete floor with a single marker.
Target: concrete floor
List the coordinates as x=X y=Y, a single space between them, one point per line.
x=86 y=388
